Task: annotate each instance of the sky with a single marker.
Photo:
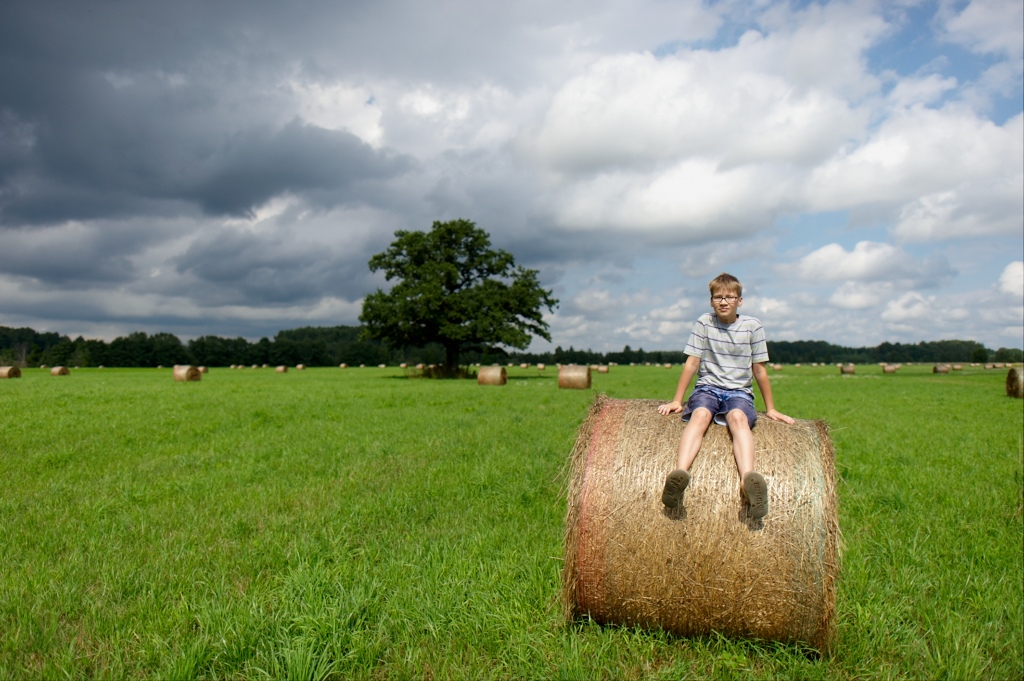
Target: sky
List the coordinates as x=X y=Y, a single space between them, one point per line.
x=228 y=168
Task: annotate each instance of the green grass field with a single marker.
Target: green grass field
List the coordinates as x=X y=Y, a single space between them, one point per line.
x=355 y=524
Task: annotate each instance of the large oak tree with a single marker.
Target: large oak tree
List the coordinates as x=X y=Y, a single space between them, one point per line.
x=454 y=289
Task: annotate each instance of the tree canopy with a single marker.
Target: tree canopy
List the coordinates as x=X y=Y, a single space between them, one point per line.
x=455 y=290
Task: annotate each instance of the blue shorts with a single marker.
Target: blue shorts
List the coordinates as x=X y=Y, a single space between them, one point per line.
x=720 y=402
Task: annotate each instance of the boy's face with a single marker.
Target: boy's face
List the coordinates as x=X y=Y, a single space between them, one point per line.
x=725 y=304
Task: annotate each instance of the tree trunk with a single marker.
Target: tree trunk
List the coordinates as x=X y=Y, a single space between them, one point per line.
x=451 y=357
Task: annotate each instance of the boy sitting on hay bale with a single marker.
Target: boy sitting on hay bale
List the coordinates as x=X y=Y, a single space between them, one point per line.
x=728 y=349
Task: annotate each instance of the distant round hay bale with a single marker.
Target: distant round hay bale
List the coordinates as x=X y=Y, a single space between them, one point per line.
x=574 y=377
x=204 y=370
x=889 y=369
x=1015 y=382
x=187 y=372
x=281 y=369
x=990 y=366
x=524 y=365
x=421 y=366
x=940 y=369
x=60 y=371
x=10 y=372
x=602 y=369
x=382 y=366
x=343 y=366
x=846 y=369
x=403 y=365
x=300 y=367
x=255 y=366
x=958 y=367
x=541 y=367
x=708 y=567
x=492 y=376
x=42 y=366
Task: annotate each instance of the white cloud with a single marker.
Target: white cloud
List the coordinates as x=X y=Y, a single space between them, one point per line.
x=868 y=261
x=856 y=295
x=339 y=106
x=917 y=152
x=990 y=26
x=1011 y=281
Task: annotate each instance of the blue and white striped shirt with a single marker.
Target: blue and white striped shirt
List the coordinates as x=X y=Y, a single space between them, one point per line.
x=727 y=351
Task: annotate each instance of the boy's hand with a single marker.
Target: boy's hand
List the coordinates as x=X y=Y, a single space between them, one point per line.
x=776 y=415
x=670 y=408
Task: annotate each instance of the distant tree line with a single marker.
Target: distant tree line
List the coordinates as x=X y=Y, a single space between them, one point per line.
x=333 y=345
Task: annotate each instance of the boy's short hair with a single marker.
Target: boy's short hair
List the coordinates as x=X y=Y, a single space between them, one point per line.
x=727 y=282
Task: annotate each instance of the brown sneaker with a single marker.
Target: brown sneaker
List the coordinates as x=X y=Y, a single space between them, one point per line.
x=755 y=489
x=675 y=485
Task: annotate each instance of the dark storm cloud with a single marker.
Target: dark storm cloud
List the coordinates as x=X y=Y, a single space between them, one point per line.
x=98 y=122
x=237 y=268
x=80 y=254
x=258 y=165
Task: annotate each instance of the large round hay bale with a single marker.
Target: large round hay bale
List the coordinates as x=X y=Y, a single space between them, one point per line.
x=60 y=371
x=574 y=377
x=10 y=372
x=343 y=366
x=1015 y=382
x=940 y=369
x=492 y=376
x=541 y=367
x=187 y=372
x=889 y=369
x=707 y=566
x=300 y=367
x=846 y=368
x=281 y=369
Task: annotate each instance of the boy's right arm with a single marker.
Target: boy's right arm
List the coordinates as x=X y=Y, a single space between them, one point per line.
x=689 y=369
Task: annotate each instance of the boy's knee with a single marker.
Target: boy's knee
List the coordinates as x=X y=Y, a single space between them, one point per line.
x=737 y=419
x=701 y=415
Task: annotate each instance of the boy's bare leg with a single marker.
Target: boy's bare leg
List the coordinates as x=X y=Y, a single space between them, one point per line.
x=689 y=444
x=742 y=441
x=752 y=484
x=693 y=435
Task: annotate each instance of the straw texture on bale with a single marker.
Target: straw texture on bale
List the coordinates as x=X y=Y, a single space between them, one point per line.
x=492 y=376
x=940 y=369
x=1015 y=382
x=187 y=372
x=574 y=377
x=10 y=372
x=281 y=369
x=707 y=566
x=60 y=371
x=847 y=369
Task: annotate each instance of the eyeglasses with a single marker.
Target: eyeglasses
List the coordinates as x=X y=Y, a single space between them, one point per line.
x=724 y=299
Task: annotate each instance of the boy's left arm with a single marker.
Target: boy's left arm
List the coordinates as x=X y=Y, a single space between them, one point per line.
x=765 y=386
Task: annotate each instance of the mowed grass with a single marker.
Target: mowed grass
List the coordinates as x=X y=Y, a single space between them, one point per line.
x=356 y=524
